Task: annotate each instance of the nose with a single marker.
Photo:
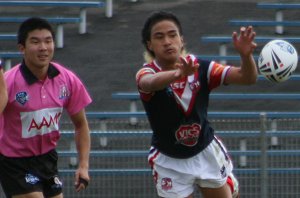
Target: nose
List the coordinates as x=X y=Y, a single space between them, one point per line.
x=43 y=46
x=167 y=40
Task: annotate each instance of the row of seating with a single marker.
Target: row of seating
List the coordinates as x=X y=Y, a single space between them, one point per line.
x=223 y=41
x=279 y=23
x=58 y=21
x=279 y=14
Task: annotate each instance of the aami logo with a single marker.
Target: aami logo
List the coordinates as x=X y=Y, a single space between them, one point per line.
x=188 y=135
x=46 y=122
x=40 y=122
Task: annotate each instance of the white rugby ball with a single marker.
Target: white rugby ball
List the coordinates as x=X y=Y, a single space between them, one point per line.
x=278 y=60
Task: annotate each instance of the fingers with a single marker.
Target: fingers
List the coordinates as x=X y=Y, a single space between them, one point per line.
x=234 y=36
x=247 y=32
x=81 y=184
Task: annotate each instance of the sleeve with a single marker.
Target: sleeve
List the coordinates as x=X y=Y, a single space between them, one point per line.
x=142 y=72
x=79 y=98
x=216 y=74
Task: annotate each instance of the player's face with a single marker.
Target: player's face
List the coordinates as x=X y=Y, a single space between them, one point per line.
x=39 y=49
x=166 y=41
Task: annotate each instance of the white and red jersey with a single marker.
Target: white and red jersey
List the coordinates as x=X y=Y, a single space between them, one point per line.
x=178 y=113
x=29 y=125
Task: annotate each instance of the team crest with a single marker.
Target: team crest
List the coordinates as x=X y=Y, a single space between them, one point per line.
x=166 y=183
x=22 y=97
x=63 y=92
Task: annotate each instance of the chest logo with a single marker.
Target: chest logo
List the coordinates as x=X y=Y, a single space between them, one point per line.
x=63 y=92
x=188 y=135
x=22 y=97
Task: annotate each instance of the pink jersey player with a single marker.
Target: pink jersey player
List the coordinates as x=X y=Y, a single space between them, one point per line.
x=34 y=109
x=33 y=96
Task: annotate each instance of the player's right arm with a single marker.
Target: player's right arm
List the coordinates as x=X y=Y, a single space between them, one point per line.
x=150 y=81
x=3 y=91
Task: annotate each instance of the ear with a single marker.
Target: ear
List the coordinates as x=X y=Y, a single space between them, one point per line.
x=149 y=46
x=182 y=41
x=21 y=48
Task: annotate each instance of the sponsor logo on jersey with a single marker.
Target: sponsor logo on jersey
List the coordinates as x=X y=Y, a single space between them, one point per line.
x=31 y=179
x=64 y=92
x=166 y=183
x=188 y=135
x=178 y=85
x=194 y=86
x=40 y=122
x=22 y=97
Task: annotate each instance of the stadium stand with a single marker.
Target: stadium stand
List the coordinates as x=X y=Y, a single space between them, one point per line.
x=82 y=5
x=58 y=21
x=224 y=40
x=279 y=25
x=279 y=8
x=7 y=57
x=119 y=166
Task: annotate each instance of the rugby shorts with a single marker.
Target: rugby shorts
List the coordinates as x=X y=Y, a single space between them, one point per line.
x=30 y=174
x=178 y=178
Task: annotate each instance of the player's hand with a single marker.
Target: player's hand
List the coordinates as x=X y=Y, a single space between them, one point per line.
x=81 y=179
x=244 y=41
x=186 y=67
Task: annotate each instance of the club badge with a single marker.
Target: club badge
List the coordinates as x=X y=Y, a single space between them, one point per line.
x=22 y=97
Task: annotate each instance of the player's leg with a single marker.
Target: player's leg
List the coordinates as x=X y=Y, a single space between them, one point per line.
x=218 y=180
x=35 y=195
x=229 y=190
x=30 y=195
x=169 y=178
x=222 y=192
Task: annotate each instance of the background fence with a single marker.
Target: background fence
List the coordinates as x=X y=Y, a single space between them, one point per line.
x=119 y=169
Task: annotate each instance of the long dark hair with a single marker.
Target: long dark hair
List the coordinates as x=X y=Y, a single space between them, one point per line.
x=154 y=18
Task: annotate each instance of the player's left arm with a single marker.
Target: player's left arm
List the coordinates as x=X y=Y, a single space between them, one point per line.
x=244 y=43
x=83 y=144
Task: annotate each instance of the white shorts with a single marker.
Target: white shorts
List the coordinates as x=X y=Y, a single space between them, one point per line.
x=177 y=178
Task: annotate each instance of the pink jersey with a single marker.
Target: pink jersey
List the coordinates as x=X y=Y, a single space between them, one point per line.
x=29 y=125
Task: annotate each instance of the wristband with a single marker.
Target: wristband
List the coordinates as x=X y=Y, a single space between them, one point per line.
x=82 y=181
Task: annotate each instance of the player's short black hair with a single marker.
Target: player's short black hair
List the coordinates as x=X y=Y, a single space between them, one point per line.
x=32 y=24
x=154 y=18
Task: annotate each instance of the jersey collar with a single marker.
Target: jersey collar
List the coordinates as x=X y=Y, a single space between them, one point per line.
x=30 y=78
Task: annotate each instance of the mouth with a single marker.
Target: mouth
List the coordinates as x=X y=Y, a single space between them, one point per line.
x=43 y=57
x=170 y=50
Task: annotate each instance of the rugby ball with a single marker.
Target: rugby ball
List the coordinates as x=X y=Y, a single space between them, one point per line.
x=278 y=60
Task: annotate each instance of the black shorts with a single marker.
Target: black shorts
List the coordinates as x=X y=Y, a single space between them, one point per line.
x=30 y=174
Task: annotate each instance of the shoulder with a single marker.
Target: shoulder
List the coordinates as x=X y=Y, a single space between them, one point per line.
x=64 y=71
x=10 y=75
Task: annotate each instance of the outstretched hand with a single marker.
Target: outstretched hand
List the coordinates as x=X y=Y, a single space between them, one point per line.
x=244 y=41
x=186 y=67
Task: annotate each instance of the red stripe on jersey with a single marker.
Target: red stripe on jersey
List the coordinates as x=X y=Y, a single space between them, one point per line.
x=151 y=159
x=146 y=96
x=216 y=75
